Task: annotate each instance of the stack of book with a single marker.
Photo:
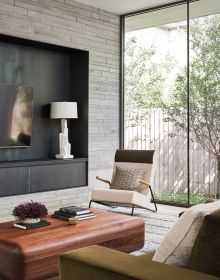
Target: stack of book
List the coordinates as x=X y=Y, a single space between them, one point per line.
x=76 y=212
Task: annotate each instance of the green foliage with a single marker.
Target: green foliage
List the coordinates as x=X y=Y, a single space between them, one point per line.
x=182 y=197
x=144 y=80
x=204 y=82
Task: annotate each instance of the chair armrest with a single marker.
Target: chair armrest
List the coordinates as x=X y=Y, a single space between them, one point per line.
x=98 y=263
x=103 y=180
x=144 y=182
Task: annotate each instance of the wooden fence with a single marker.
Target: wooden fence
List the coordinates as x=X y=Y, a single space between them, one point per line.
x=170 y=145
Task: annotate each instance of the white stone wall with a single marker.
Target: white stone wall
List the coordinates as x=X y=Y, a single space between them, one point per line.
x=69 y=23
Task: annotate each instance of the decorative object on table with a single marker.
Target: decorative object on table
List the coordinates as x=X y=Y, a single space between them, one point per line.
x=73 y=213
x=30 y=212
x=64 y=111
x=73 y=221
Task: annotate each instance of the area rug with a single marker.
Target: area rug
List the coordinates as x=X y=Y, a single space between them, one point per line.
x=157 y=226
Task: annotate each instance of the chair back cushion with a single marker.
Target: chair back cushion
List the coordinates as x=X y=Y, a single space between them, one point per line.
x=141 y=162
x=205 y=255
x=177 y=246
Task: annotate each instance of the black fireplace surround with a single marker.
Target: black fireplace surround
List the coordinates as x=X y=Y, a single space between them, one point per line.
x=57 y=74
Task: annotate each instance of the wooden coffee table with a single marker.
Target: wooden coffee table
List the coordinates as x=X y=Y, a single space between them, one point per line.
x=33 y=254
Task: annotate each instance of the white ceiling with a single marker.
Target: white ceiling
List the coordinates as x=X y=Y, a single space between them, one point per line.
x=124 y=6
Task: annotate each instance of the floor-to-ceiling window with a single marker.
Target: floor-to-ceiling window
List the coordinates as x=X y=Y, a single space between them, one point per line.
x=172 y=96
x=204 y=97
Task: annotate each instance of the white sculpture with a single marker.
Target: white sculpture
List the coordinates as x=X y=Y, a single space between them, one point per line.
x=64 y=142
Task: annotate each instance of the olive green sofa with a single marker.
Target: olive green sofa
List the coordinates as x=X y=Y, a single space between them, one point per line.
x=99 y=263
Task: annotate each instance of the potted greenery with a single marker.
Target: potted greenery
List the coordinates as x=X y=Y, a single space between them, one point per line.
x=30 y=212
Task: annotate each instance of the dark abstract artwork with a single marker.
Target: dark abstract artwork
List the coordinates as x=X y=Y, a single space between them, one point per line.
x=16 y=106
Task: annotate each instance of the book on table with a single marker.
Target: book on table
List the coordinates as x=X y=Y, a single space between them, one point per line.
x=79 y=218
x=71 y=212
x=59 y=213
x=75 y=210
x=42 y=223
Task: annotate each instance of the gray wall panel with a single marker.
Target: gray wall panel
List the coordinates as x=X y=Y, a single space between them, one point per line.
x=55 y=177
x=14 y=180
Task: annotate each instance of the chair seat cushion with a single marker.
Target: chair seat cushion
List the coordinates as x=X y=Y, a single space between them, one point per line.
x=120 y=196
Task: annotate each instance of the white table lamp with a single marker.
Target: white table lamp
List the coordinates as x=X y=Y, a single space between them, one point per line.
x=64 y=111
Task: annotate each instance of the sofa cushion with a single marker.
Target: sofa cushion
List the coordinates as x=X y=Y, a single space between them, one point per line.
x=177 y=246
x=205 y=255
x=127 y=179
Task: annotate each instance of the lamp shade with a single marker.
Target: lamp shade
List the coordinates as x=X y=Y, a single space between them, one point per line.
x=63 y=110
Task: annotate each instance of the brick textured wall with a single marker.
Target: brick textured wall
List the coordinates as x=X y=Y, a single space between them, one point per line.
x=69 y=23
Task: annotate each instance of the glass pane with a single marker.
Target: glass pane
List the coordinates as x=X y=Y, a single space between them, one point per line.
x=156 y=95
x=204 y=100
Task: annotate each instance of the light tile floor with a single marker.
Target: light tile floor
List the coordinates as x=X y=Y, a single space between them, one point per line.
x=157 y=224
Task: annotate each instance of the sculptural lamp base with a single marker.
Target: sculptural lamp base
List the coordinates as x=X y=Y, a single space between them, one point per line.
x=64 y=156
x=63 y=111
x=65 y=146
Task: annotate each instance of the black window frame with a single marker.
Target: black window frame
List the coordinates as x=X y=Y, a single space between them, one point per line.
x=122 y=90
